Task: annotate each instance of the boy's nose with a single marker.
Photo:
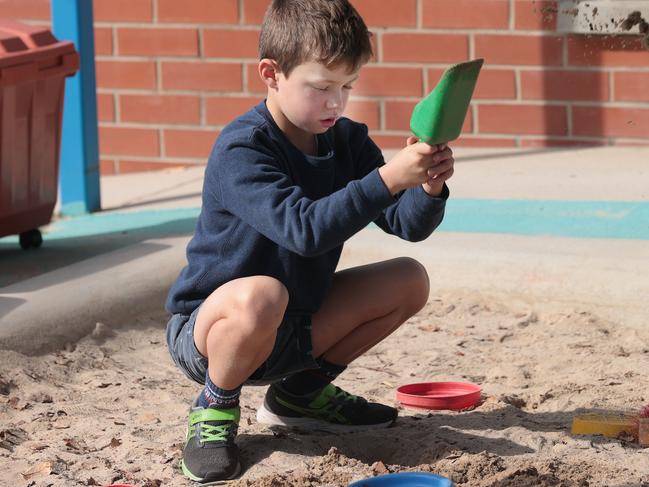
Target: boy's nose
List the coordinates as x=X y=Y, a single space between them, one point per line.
x=333 y=103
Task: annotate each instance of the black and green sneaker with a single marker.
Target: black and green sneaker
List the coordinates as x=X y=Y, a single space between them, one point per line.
x=332 y=410
x=210 y=453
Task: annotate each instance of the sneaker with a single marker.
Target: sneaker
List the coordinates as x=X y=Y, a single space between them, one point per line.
x=210 y=453
x=332 y=410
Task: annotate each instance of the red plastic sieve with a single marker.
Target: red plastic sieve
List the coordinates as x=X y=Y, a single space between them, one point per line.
x=439 y=395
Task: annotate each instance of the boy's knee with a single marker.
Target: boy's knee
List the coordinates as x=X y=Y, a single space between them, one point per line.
x=418 y=282
x=262 y=302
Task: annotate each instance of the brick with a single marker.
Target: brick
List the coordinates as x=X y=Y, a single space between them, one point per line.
x=25 y=9
x=606 y=51
x=535 y=15
x=561 y=143
x=466 y=14
x=398 y=113
x=610 y=122
x=103 y=41
x=496 y=84
x=105 y=107
x=387 y=13
x=107 y=167
x=160 y=109
x=122 y=10
x=477 y=141
x=565 y=85
x=201 y=76
x=254 y=10
x=129 y=141
x=631 y=86
x=523 y=119
x=221 y=110
x=492 y=83
x=382 y=81
x=130 y=166
x=530 y=50
x=126 y=74
x=199 y=11
x=367 y=112
x=425 y=48
x=629 y=143
x=399 y=141
x=157 y=42
x=389 y=141
x=229 y=43
x=189 y=143
x=468 y=127
x=254 y=84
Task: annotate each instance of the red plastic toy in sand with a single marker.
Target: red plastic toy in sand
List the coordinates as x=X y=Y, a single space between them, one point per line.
x=439 y=395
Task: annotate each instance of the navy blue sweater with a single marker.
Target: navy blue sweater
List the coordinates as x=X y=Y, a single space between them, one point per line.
x=268 y=209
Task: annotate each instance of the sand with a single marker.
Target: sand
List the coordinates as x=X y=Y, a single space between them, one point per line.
x=112 y=407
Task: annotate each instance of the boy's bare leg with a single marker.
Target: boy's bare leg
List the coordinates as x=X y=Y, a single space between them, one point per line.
x=236 y=327
x=366 y=304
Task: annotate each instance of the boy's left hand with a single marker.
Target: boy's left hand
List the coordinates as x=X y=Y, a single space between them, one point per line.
x=441 y=171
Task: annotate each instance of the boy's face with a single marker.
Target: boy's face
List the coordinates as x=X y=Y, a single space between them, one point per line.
x=310 y=99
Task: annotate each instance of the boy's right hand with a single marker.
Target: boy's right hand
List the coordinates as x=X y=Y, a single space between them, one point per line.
x=409 y=167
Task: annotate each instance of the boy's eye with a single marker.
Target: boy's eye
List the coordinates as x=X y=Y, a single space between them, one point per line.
x=321 y=88
x=348 y=87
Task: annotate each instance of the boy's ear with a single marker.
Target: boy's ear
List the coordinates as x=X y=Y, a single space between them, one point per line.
x=268 y=71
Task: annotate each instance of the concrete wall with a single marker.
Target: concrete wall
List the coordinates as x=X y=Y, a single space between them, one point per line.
x=171 y=73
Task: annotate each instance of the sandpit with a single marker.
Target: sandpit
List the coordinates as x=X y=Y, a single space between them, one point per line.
x=112 y=407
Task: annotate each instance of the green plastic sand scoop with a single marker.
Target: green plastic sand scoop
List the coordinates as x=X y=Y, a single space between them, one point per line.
x=439 y=117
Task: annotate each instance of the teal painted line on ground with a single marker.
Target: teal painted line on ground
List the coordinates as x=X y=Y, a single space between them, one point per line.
x=579 y=219
x=154 y=223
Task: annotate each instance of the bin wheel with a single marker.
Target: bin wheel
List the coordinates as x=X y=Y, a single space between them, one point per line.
x=31 y=239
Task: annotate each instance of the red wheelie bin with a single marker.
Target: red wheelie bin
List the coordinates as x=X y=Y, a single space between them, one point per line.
x=33 y=68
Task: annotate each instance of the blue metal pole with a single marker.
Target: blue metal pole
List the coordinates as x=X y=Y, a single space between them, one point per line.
x=79 y=170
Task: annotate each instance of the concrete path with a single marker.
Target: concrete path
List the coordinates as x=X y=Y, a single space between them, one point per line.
x=563 y=225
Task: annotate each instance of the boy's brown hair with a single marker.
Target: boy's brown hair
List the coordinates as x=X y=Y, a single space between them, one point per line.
x=326 y=31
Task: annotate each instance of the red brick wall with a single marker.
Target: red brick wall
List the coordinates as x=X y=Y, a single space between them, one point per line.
x=171 y=73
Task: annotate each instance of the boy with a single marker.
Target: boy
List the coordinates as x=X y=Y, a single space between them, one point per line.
x=286 y=185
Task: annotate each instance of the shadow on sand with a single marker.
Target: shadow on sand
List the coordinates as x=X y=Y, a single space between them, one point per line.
x=421 y=439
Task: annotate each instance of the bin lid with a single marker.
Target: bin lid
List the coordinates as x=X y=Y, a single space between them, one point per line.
x=18 y=36
x=21 y=44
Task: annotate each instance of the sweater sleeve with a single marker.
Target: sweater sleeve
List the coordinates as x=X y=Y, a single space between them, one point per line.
x=415 y=214
x=252 y=186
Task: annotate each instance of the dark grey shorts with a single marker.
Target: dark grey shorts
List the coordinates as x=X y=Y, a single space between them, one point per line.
x=292 y=351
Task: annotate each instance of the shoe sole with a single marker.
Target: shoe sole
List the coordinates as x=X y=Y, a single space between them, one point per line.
x=264 y=416
x=193 y=477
